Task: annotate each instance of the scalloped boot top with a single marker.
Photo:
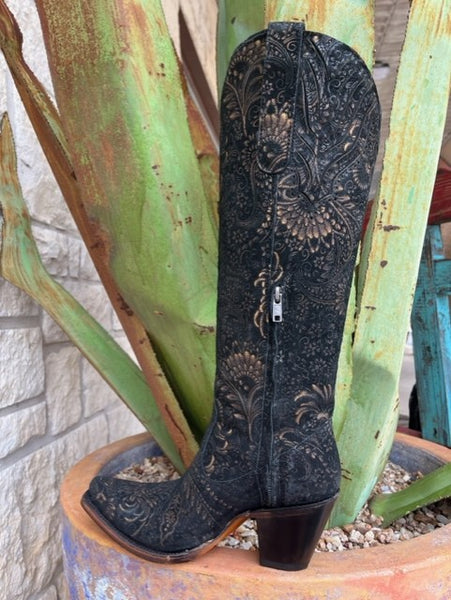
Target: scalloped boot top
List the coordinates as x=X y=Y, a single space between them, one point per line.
x=300 y=124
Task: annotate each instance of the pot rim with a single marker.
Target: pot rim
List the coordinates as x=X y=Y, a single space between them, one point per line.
x=428 y=551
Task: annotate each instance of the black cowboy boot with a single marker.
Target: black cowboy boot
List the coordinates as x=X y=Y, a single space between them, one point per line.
x=300 y=127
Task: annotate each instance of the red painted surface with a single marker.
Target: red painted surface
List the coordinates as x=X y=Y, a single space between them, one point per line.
x=97 y=568
x=441 y=198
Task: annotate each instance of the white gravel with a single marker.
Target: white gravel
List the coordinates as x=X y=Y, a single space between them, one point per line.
x=367 y=530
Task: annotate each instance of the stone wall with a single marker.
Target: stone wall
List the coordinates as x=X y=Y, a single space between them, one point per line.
x=54 y=408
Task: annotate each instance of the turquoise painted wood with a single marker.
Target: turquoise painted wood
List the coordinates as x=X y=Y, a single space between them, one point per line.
x=431 y=331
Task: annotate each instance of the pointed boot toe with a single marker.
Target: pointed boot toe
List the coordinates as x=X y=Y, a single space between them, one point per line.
x=128 y=510
x=117 y=499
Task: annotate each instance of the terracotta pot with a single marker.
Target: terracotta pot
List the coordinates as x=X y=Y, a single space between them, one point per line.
x=97 y=568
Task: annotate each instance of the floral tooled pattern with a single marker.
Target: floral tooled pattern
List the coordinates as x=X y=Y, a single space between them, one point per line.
x=239 y=391
x=240 y=378
x=323 y=193
x=316 y=404
x=275 y=137
x=131 y=505
x=242 y=87
x=313 y=222
x=299 y=137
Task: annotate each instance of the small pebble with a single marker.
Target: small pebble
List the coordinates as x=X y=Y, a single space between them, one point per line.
x=369 y=536
x=356 y=537
x=442 y=519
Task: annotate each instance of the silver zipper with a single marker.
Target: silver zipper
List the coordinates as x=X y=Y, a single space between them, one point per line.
x=276 y=304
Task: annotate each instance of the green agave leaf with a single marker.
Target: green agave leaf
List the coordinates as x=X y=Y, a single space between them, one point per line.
x=48 y=128
x=431 y=488
x=123 y=112
x=345 y=364
x=392 y=251
x=350 y=21
x=21 y=265
x=237 y=20
x=207 y=156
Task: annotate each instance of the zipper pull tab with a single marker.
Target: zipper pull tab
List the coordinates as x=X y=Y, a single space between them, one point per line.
x=276 y=305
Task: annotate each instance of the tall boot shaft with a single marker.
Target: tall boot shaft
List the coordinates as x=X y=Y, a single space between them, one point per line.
x=300 y=126
x=299 y=138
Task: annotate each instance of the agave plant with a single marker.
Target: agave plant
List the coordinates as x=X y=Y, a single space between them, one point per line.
x=139 y=173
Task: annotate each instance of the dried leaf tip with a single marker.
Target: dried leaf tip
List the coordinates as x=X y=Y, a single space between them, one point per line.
x=7 y=151
x=10 y=34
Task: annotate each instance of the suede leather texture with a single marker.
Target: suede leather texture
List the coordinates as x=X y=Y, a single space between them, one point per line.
x=300 y=124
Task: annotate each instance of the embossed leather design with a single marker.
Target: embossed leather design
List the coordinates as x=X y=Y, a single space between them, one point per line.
x=299 y=137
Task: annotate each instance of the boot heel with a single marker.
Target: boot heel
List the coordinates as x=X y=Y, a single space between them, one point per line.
x=288 y=536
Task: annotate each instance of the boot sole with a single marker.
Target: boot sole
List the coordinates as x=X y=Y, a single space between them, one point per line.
x=287 y=536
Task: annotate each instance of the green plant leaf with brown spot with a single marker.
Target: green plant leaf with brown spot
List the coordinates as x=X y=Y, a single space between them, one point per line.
x=123 y=111
x=48 y=128
x=21 y=265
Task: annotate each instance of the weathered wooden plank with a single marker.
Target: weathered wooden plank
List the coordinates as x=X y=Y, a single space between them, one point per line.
x=442 y=277
x=431 y=331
